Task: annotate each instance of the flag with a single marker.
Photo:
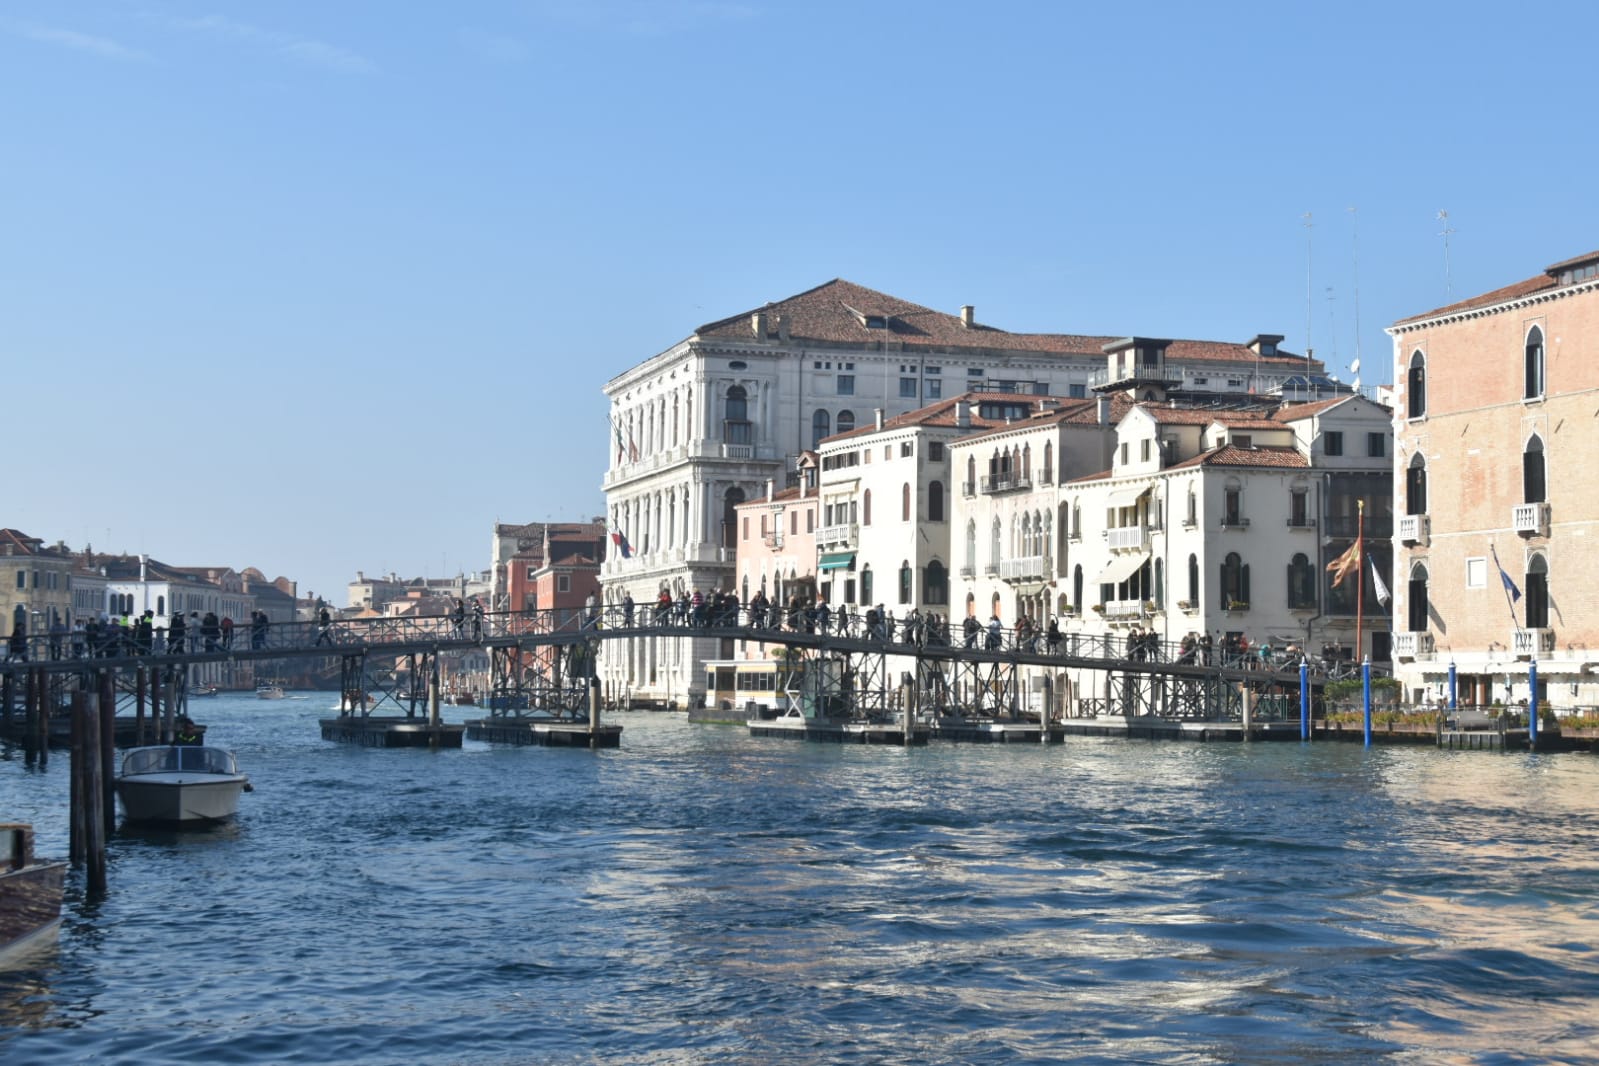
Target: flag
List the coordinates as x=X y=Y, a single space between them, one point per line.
x=1510 y=586
x=1346 y=564
x=620 y=451
x=632 y=448
x=620 y=540
x=1378 y=586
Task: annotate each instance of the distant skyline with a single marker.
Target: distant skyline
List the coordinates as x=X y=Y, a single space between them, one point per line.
x=325 y=288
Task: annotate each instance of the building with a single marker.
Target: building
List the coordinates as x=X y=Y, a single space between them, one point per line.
x=527 y=542
x=35 y=584
x=699 y=428
x=1496 y=557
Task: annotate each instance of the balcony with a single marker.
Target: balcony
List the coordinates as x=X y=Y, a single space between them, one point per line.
x=1006 y=481
x=1414 y=529
x=968 y=488
x=990 y=569
x=1129 y=372
x=1125 y=610
x=1408 y=647
x=1127 y=539
x=968 y=572
x=1302 y=522
x=838 y=536
x=774 y=541
x=1531 y=643
x=1234 y=522
x=1530 y=519
x=1028 y=568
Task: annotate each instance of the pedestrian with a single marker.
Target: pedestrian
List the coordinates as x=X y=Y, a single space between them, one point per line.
x=970 y=629
x=996 y=632
x=227 y=632
x=477 y=617
x=324 y=625
x=194 y=632
x=80 y=638
x=627 y=609
x=1052 y=636
x=258 y=629
x=17 y=646
x=211 y=631
x=176 y=631
x=458 y=616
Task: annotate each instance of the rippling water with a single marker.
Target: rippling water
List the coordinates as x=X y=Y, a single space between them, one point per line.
x=699 y=896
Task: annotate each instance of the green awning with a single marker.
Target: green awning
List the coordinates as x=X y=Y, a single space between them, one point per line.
x=837 y=561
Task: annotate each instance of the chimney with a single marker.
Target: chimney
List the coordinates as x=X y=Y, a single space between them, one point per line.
x=769 y=492
x=758 y=324
x=879 y=413
x=963 y=414
x=782 y=327
x=1104 y=410
x=144 y=566
x=967 y=313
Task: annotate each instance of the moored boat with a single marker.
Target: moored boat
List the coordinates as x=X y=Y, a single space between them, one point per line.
x=30 y=892
x=269 y=690
x=180 y=784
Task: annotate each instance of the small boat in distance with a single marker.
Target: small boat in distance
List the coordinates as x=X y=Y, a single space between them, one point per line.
x=203 y=690
x=30 y=892
x=269 y=690
x=179 y=784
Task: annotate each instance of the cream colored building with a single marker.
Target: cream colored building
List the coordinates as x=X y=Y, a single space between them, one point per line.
x=1494 y=427
x=35 y=584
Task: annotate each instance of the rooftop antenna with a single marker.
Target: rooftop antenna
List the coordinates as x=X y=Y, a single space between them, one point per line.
x=1309 y=227
x=1354 y=254
x=1443 y=216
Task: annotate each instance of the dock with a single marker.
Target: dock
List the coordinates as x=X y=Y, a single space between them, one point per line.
x=839 y=731
x=374 y=732
x=524 y=732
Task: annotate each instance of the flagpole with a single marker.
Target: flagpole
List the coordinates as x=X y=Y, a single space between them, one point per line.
x=1360 y=571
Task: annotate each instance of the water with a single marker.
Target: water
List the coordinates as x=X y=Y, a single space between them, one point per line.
x=702 y=897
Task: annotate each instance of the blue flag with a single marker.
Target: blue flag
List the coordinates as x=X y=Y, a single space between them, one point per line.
x=1510 y=586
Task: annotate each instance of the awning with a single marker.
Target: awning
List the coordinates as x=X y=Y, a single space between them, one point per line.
x=837 y=560
x=1125 y=497
x=1121 y=568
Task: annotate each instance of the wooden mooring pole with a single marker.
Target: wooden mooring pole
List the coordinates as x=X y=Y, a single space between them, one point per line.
x=594 y=712
x=140 y=677
x=88 y=797
x=108 y=760
x=30 y=709
x=8 y=693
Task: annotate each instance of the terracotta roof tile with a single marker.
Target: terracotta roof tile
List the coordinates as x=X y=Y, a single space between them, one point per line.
x=1297 y=411
x=1509 y=292
x=1204 y=416
x=1231 y=455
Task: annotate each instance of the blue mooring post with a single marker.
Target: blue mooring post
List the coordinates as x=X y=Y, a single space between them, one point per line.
x=1304 y=700
x=1532 y=704
x=1365 y=694
x=1454 y=689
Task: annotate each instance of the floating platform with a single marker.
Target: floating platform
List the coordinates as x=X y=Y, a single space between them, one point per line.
x=994 y=731
x=1144 y=728
x=838 y=731
x=125 y=733
x=544 y=734
x=372 y=732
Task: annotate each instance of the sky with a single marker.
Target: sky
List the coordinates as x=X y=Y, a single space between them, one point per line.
x=319 y=288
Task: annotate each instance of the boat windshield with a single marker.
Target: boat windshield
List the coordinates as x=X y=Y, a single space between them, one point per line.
x=177 y=758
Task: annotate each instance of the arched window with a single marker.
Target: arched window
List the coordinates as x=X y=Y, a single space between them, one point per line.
x=675 y=419
x=819 y=427
x=730 y=501
x=736 y=427
x=1418 y=599
x=935 y=584
x=846 y=421
x=1160 y=583
x=1416 y=386
x=1193 y=508
x=737 y=404
x=971 y=605
x=1537 y=592
x=1301 y=584
x=1049 y=463
x=1234 y=581
x=1416 y=485
x=971 y=545
x=1027 y=460
x=905 y=502
x=1534 y=385
x=905 y=581
x=1026 y=543
x=1193 y=579
x=866 y=586
x=866 y=508
x=1533 y=488
x=1077 y=587
x=935 y=501
x=1077 y=521
x=994 y=541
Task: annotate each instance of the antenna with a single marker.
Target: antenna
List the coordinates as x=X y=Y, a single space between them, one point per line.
x=1354 y=255
x=1309 y=227
x=1443 y=216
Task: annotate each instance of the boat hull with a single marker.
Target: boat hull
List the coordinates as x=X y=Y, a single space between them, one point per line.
x=179 y=799
x=30 y=895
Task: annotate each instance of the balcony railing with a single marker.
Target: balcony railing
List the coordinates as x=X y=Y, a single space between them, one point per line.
x=1302 y=522
x=968 y=572
x=1127 y=538
x=1411 y=646
x=968 y=488
x=841 y=534
x=1141 y=371
x=1006 y=482
x=1527 y=643
x=1121 y=610
x=1234 y=522
x=1414 y=529
x=990 y=569
x=1031 y=567
x=1530 y=519
x=774 y=541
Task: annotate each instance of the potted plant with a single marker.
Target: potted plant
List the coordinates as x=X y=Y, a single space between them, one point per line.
x=1238 y=605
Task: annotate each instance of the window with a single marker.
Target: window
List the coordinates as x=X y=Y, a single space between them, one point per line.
x=1534 y=384
x=1234 y=582
x=1332 y=443
x=1376 y=445
x=746 y=532
x=1477 y=573
x=1077 y=392
x=1243 y=440
x=1124 y=452
x=1416 y=386
x=935 y=584
x=1533 y=489
x=846 y=384
x=793 y=521
x=905 y=502
x=819 y=428
x=866 y=585
x=1416 y=485
x=1301 y=584
x=935 y=501
x=905 y=582
x=810 y=521
x=866 y=508
x=1299 y=508
x=906 y=449
x=730 y=501
x=1049 y=463
x=1418 y=599
x=907 y=388
x=1537 y=586
x=563 y=582
x=1143 y=450
x=971 y=545
x=1193 y=579
x=993 y=545
x=737 y=404
x=935 y=389
x=1232 y=506
x=935 y=451
x=1192 y=516
x=22 y=579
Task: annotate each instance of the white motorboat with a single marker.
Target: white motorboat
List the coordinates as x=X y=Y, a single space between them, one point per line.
x=269 y=690
x=180 y=785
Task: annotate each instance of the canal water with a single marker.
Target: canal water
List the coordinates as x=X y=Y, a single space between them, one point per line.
x=702 y=897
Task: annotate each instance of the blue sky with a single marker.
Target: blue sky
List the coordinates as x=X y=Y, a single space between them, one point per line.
x=324 y=287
